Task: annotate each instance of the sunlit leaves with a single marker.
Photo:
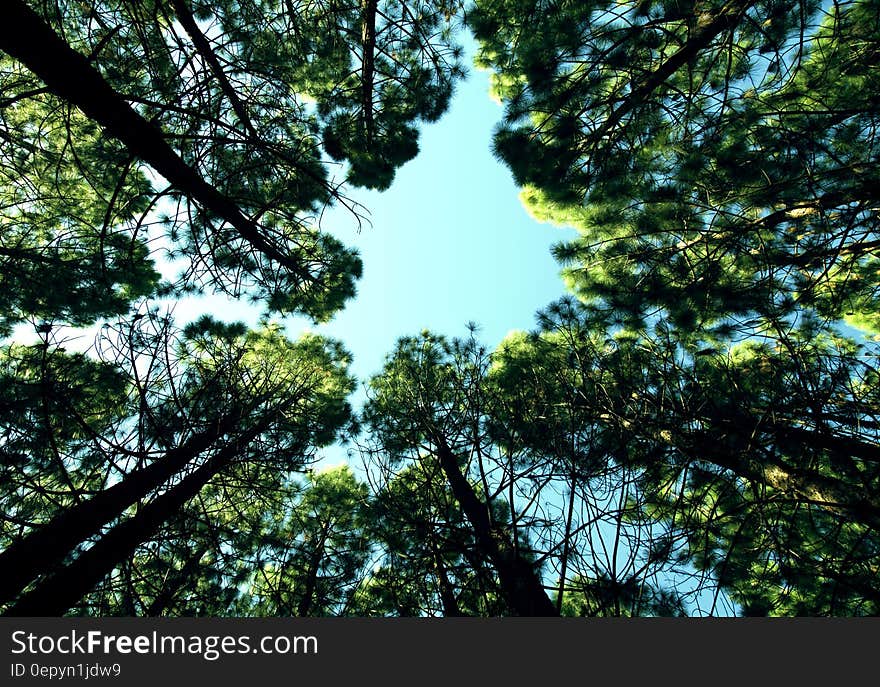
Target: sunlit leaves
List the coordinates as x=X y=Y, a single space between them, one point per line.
x=72 y=205
x=717 y=162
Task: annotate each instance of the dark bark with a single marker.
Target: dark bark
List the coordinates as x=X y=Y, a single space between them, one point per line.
x=848 y=447
x=305 y=603
x=727 y=18
x=520 y=583
x=70 y=76
x=368 y=45
x=806 y=485
x=188 y=22
x=58 y=593
x=43 y=549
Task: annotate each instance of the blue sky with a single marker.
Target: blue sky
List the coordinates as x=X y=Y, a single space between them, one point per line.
x=448 y=243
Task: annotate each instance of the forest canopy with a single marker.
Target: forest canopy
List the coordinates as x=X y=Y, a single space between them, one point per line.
x=693 y=429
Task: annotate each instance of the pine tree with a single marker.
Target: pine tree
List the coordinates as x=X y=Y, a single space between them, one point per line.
x=230 y=397
x=719 y=160
x=137 y=132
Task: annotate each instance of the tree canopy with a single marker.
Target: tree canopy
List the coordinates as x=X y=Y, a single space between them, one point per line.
x=719 y=162
x=693 y=430
x=719 y=159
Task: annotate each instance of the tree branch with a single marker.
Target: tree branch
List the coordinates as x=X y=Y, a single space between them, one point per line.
x=24 y=36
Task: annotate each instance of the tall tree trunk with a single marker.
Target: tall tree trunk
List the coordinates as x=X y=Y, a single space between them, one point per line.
x=368 y=61
x=58 y=593
x=522 y=588
x=70 y=76
x=44 y=548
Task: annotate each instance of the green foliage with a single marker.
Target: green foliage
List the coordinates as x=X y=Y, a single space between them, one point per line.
x=245 y=100
x=261 y=369
x=699 y=422
x=720 y=165
x=627 y=598
x=428 y=560
x=52 y=406
x=316 y=554
x=72 y=203
x=759 y=460
x=647 y=468
x=542 y=452
x=371 y=94
x=247 y=95
x=73 y=427
x=256 y=543
x=718 y=161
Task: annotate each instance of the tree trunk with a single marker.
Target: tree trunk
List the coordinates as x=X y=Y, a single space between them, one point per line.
x=304 y=607
x=57 y=594
x=447 y=592
x=46 y=547
x=521 y=586
x=368 y=47
x=70 y=76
